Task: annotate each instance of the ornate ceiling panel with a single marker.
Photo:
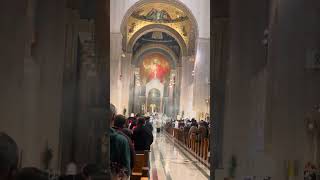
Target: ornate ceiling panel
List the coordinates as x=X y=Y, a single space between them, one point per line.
x=159 y=13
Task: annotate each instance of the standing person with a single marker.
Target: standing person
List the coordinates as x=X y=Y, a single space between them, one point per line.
x=193 y=131
x=202 y=130
x=133 y=125
x=119 y=124
x=148 y=124
x=142 y=136
x=119 y=152
x=8 y=157
x=186 y=133
x=158 y=125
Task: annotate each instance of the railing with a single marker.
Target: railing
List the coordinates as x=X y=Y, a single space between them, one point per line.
x=196 y=144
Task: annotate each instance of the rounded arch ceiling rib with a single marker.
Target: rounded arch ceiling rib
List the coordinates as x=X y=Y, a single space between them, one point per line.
x=187 y=49
x=156 y=27
x=156 y=48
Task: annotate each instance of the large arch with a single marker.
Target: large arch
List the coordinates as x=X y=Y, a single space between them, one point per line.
x=156 y=48
x=128 y=46
x=187 y=49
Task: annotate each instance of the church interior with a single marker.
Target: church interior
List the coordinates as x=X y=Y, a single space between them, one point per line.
x=231 y=88
x=160 y=58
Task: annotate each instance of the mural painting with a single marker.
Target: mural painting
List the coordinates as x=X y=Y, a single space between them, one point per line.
x=155 y=66
x=158 y=15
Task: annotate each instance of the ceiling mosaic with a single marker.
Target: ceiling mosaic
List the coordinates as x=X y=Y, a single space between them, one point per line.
x=159 y=13
x=158 y=38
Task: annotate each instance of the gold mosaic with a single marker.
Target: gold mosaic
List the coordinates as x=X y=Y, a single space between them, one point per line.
x=159 y=13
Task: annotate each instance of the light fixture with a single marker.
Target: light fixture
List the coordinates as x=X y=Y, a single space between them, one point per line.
x=123 y=55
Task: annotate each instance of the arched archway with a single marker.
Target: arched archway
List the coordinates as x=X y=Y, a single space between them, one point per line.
x=128 y=46
x=158 y=21
x=154 y=100
x=158 y=48
x=186 y=33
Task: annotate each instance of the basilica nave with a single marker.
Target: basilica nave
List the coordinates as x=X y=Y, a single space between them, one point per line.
x=247 y=71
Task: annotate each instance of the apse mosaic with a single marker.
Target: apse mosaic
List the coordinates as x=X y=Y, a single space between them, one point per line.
x=155 y=66
x=159 y=13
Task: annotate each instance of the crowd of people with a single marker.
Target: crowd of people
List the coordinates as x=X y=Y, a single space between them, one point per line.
x=192 y=128
x=127 y=137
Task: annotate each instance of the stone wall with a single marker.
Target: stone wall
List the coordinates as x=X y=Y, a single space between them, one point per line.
x=269 y=92
x=32 y=77
x=13 y=23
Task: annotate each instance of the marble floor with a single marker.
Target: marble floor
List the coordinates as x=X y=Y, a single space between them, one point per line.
x=169 y=162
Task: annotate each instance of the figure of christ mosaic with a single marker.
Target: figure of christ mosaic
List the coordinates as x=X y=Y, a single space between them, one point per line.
x=155 y=66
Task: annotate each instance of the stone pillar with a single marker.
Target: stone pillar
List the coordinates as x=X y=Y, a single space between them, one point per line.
x=88 y=99
x=218 y=69
x=177 y=92
x=186 y=84
x=117 y=71
x=49 y=53
x=30 y=149
x=127 y=82
x=201 y=90
x=132 y=89
x=70 y=91
x=102 y=46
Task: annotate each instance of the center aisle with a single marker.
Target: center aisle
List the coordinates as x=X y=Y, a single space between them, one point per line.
x=169 y=163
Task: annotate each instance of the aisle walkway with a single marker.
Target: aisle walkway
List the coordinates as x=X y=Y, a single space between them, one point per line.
x=168 y=162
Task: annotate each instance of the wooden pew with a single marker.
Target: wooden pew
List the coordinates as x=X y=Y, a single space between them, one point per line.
x=205 y=149
x=141 y=167
x=201 y=148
